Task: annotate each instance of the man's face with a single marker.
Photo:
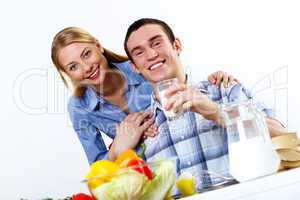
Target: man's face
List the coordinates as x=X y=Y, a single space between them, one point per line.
x=153 y=55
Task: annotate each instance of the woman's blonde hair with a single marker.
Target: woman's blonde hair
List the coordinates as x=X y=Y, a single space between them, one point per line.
x=71 y=35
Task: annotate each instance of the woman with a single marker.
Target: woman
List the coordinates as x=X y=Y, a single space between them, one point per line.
x=108 y=95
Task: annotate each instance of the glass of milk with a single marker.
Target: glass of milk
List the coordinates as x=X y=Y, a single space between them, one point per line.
x=251 y=153
x=162 y=87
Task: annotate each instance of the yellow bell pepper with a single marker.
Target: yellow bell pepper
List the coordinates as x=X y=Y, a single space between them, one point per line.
x=101 y=172
x=125 y=157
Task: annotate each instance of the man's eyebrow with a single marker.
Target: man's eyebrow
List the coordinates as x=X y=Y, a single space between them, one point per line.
x=134 y=49
x=150 y=40
x=155 y=37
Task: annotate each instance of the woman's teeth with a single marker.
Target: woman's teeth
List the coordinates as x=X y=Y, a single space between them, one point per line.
x=94 y=75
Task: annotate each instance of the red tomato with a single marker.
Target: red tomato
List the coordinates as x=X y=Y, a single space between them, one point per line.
x=82 y=196
x=142 y=167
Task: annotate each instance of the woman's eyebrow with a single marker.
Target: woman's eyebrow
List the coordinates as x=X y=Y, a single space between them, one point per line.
x=70 y=64
x=81 y=55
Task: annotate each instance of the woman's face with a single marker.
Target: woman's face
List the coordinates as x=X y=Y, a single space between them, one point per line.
x=84 y=63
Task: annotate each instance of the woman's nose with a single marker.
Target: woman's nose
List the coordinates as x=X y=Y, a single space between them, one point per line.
x=87 y=67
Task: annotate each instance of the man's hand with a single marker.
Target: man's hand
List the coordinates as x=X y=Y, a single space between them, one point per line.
x=182 y=98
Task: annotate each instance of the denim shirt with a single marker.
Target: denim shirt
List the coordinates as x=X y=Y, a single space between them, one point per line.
x=92 y=115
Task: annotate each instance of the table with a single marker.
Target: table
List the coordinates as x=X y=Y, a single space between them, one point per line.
x=283 y=185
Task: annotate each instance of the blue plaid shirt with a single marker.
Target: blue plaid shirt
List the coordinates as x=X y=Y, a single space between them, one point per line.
x=196 y=144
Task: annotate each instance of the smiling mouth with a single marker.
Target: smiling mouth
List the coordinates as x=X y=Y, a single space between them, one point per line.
x=156 y=65
x=94 y=75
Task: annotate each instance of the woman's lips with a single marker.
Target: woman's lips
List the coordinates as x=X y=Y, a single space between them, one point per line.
x=94 y=75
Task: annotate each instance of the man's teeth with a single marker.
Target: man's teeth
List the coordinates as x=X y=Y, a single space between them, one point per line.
x=155 y=66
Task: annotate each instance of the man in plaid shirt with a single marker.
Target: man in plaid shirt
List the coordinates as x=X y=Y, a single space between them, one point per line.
x=197 y=139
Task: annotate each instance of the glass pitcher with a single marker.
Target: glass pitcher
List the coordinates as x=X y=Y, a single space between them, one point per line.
x=251 y=153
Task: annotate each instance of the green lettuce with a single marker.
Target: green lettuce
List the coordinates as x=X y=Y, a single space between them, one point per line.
x=132 y=185
x=159 y=187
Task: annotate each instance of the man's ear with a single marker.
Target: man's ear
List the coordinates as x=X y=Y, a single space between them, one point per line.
x=177 y=45
x=134 y=67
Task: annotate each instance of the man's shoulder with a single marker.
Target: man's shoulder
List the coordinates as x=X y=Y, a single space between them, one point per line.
x=209 y=89
x=233 y=92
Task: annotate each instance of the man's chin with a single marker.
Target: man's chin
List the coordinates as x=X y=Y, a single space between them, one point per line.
x=157 y=78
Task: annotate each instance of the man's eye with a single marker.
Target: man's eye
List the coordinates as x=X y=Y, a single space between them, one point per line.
x=138 y=53
x=156 y=44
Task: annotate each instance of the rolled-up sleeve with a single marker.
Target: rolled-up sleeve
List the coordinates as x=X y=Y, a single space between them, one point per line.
x=235 y=93
x=238 y=93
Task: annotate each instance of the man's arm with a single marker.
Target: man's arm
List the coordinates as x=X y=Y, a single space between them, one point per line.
x=275 y=127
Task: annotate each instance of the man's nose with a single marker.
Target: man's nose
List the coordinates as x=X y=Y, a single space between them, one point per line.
x=151 y=54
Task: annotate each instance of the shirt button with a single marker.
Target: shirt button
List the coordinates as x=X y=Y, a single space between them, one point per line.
x=189 y=163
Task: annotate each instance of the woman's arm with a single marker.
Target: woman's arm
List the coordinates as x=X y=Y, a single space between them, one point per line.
x=219 y=77
x=91 y=140
x=129 y=133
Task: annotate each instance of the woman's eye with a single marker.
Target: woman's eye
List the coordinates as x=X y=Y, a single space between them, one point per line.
x=73 y=67
x=87 y=54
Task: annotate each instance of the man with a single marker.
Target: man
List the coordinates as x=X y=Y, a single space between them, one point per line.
x=196 y=139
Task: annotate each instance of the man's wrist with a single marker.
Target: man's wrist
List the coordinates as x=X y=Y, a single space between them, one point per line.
x=214 y=113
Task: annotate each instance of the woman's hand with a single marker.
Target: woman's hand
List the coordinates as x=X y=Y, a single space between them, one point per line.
x=219 y=77
x=182 y=98
x=129 y=132
x=151 y=131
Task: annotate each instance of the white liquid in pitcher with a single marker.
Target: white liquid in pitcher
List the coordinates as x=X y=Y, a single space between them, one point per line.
x=252 y=158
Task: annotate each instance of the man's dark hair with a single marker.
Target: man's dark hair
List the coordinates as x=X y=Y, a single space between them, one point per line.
x=144 y=21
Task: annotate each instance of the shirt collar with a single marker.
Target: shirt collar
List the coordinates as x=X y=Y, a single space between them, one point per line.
x=132 y=78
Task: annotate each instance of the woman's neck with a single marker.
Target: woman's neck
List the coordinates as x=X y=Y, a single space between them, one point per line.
x=113 y=83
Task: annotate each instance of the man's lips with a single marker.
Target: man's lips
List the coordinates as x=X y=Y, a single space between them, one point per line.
x=94 y=75
x=156 y=65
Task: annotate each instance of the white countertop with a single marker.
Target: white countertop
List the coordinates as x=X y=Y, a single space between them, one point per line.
x=282 y=186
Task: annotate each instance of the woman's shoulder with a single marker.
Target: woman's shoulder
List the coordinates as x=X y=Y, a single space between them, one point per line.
x=78 y=105
x=127 y=68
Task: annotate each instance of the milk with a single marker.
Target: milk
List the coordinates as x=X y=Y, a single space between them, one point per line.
x=164 y=100
x=252 y=158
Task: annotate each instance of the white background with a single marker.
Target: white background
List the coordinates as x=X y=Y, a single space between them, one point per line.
x=257 y=41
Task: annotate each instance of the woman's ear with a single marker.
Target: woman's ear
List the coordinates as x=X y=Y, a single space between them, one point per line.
x=98 y=45
x=177 y=45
